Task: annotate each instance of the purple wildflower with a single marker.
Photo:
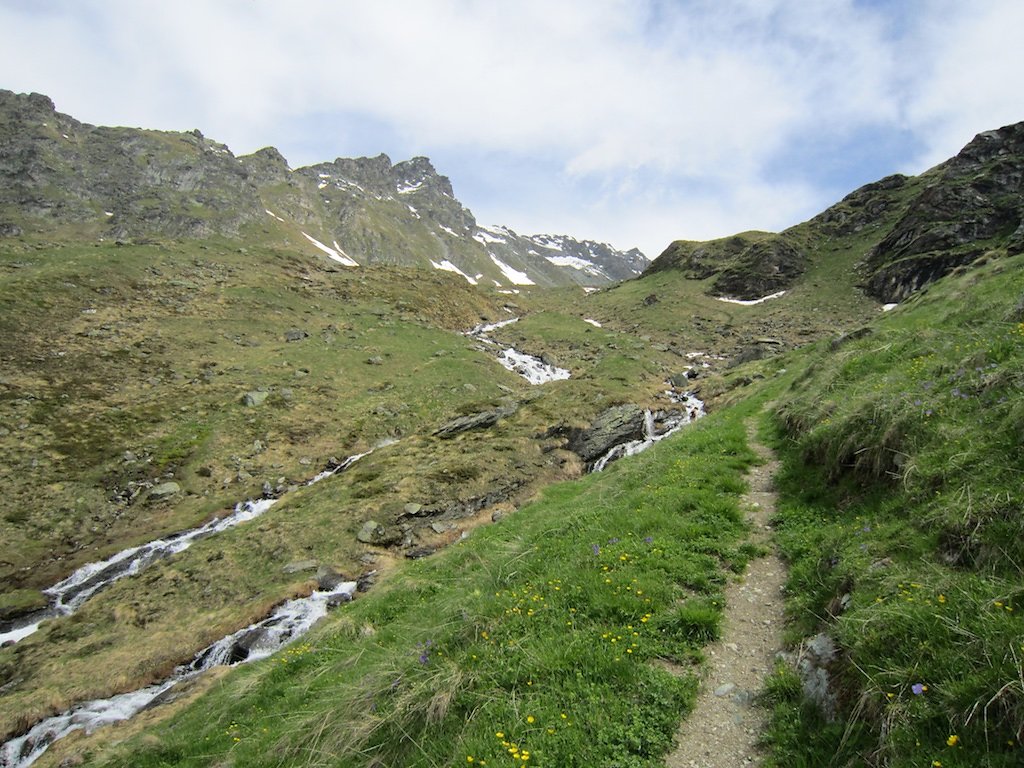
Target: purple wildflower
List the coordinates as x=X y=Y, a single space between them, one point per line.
x=918 y=688
x=648 y=539
x=595 y=549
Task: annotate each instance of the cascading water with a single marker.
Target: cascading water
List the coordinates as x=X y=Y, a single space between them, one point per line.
x=288 y=622
x=68 y=595
x=691 y=409
x=531 y=368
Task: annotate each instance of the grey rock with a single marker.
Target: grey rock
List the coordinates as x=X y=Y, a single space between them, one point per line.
x=327 y=578
x=473 y=421
x=254 y=398
x=295 y=334
x=412 y=509
x=497 y=516
x=299 y=565
x=438 y=527
x=374 y=533
x=618 y=424
x=814 y=666
x=163 y=491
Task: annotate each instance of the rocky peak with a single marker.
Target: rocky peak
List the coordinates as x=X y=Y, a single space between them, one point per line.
x=266 y=166
x=1006 y=142
x=970 y=204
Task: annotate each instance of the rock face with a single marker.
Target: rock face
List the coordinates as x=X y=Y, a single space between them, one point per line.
x=761 y=269
x=619 y=424
x=746 y=266
x=123 y=183
x=971 y=203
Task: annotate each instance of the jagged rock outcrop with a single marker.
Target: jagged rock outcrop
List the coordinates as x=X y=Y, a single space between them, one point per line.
x=127 y=183
x=746 y=266
x=481 y=420
x=121 y=182
x=765 y=267
x=618 y=424
x=971 y=203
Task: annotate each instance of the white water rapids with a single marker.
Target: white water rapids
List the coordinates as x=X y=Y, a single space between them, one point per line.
x=531 y=368
x=68 y=595
x=691 y=409
x=288 y=622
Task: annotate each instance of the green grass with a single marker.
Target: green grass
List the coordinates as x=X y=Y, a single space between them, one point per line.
x=533 y=637
x=900 y=517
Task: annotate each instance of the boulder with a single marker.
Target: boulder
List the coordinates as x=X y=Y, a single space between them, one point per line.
x=300 y=565
x=327 y=578
x=473 y=421
x=618 y=424
x=163 y=491
x=254 y=398
x=374 y=533
x=295 y=334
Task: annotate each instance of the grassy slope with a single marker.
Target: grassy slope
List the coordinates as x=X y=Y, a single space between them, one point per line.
x=148 y=349
x=532 y=642
x=902 y=498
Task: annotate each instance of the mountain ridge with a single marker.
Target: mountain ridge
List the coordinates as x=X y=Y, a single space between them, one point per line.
x=124 y=183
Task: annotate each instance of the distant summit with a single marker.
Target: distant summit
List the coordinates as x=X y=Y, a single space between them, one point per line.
x=62 y=177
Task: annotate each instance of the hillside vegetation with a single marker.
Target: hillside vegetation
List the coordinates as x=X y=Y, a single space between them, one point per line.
x=169 y=352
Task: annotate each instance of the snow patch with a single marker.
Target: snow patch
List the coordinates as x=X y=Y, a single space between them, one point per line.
x=271 y=213
x=576 y=263
x=889 y=307
x=337 y=255
x=514 y=276
x=447 y=266
x=751 y=302
x=592 y=322
x=451 y=232
x=487 y=235
x=406 y=188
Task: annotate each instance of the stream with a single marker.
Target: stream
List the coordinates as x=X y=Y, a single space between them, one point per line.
x=68 y=595
x=288 y=622
x=691 y=409
x=531 y=368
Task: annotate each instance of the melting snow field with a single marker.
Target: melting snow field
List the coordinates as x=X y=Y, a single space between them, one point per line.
x=751 y=302
x=514 y=276
x=337 y=255
x=447 y=266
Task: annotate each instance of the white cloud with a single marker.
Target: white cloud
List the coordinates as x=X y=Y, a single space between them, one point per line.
x=676 y=112
x=970 y=63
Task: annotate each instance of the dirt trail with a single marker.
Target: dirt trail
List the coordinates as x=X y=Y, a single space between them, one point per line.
x=725 y=726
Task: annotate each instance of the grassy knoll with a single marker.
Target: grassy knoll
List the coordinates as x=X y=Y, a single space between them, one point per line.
x=533 y=642
x=901 y=517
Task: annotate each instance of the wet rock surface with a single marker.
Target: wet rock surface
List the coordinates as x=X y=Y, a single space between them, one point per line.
x=619 y=424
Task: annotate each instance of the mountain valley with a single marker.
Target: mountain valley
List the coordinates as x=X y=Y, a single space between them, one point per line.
x=185 y=331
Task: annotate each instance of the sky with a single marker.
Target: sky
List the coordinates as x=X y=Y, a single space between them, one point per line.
x=633 y=122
